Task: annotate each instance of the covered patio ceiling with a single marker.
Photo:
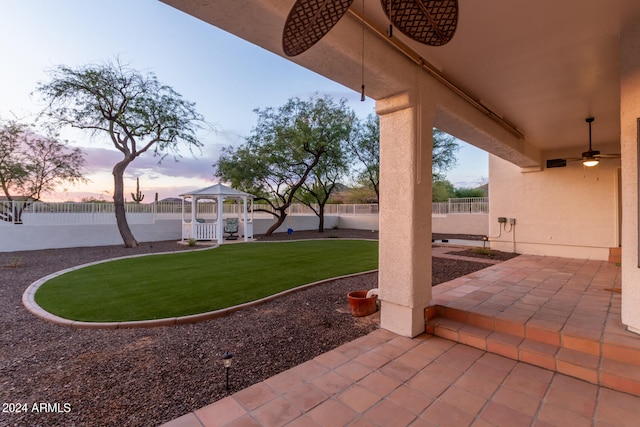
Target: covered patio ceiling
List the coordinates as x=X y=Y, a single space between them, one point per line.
x=543 y=66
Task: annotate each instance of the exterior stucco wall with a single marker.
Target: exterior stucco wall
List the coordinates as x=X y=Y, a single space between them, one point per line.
x=302 y=222
x=477 y=224
x=35 y=237
x=629 y=114
x=567 y=212
x=359 y=222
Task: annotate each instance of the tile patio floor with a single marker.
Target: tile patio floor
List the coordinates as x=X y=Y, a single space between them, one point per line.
x=384 y=379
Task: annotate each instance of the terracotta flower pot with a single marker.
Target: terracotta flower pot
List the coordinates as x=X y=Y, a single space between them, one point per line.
x=360 y=305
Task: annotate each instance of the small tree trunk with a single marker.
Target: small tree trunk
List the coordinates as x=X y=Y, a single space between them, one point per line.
x=321 y=218
x=118 y=203
x=278 y=223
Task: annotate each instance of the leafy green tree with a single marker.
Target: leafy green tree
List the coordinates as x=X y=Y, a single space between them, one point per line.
x=136 y=111
x=360 y=194
x=31 y=165
x=365 y=147
x=442 y=191
x=279 y=156
x=335 y=124
x=469 y=192
x=444 y=154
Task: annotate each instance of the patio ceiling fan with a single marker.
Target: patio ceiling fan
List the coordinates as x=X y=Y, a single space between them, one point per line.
x=432 y=22
x=589 y=158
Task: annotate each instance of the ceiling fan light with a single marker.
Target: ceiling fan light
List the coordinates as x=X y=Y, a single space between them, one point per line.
x=590 y=162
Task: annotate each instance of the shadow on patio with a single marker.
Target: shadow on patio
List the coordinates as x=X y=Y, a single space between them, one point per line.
x=539 y=342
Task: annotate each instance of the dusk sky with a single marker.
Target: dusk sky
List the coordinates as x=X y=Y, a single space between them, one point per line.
x=225 y=76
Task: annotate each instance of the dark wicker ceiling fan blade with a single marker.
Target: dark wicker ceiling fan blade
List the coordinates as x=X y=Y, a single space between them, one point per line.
x=556 y=163
x=609 y=156
x=432 y=22
x=308 y=21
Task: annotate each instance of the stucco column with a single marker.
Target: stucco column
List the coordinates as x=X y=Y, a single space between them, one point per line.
x=629 y=114
x=404 y=278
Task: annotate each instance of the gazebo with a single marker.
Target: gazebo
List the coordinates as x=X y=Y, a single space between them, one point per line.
x=206 y=219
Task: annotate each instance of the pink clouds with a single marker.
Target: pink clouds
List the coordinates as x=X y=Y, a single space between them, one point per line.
x=103 y=160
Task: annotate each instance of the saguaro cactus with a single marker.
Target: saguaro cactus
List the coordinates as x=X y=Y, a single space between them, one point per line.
x=138 y=196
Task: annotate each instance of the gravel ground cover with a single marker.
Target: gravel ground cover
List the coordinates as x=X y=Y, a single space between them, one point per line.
x=492 y=254
x=57 y=376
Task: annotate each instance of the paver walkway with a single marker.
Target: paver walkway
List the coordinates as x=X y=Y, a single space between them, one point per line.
x=384 y=379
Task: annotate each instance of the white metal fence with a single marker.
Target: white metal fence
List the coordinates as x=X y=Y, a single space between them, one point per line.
x=329 y=209
x=41 y=213
x=38 y=213
x=463 y=205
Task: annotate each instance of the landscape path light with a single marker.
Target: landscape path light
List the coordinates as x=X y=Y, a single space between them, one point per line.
x=226 y=358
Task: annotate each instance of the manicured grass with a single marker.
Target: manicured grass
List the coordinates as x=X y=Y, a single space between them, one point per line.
x=171 y=285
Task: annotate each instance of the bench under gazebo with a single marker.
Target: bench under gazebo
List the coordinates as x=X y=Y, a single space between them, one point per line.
x=204 y=218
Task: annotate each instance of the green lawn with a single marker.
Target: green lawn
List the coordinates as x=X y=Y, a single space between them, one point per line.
x=171 y=285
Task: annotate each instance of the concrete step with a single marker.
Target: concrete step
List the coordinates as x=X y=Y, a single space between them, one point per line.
x=613 y=363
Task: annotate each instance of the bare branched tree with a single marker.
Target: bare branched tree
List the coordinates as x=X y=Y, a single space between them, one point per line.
x=31 y=165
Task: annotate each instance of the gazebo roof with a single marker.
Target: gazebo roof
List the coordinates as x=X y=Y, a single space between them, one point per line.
x=217 y=190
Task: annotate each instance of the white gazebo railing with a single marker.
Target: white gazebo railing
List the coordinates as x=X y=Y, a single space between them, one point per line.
x=199 y=231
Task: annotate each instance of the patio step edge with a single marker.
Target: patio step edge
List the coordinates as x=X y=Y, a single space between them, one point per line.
x=619 y=348
x=611 y=368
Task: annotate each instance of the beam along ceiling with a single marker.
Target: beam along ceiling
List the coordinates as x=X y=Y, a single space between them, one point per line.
x=543 y=65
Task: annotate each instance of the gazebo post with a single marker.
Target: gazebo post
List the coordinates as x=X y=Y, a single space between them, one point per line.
x=246 y=224
x=220 y=224
x=194 y=225
x=182 y=221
